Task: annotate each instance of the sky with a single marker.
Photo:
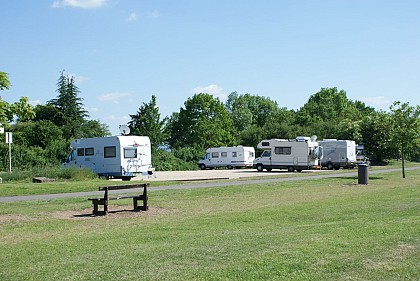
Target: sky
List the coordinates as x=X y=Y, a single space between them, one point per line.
x=121 y=52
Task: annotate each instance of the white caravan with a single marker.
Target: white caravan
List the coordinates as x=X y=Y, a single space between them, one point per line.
x=237 y=156
x=113 y=157
x=302 y=153
x=338 y=153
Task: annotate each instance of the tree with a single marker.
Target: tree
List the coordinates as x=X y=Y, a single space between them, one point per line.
x=246 y=110
x=70 y=104
x=147 y=122
x=329 y=111
x=376 y=135
x=203 y=123
x=406 y=127
x=4 y=81
x=21 y=109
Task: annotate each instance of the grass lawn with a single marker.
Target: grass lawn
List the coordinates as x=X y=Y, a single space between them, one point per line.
x=329 y=229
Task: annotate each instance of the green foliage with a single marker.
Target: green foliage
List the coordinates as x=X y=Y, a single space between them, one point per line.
x=204 y=122
x=93 y=128
x=377 y=136
x=247 y=110
x=167 y=161
x=4 y=81
x=147 y=122
x=53 y=172
x=70 y=105
x=21 y=109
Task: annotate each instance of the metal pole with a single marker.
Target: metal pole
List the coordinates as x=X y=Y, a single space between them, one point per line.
x=10 y=157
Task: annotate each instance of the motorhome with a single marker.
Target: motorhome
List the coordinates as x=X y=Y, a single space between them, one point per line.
x=338 y=153
x=113 y=157
x=230 y=157
x=298 y=154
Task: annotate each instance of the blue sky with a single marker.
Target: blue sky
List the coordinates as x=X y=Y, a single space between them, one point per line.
x=122 y=52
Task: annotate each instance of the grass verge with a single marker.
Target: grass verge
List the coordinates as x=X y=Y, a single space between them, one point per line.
x=329 y=229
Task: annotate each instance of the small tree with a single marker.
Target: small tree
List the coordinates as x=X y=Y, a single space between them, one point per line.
x=406 y=127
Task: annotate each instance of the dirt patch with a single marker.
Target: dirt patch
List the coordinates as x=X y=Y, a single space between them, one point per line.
x=5 y=219
x=115 y=211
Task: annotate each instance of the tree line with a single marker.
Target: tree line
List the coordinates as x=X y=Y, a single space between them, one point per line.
x=42 y=134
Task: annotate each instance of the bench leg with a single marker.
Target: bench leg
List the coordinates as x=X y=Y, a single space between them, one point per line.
x=96 y=204
x=136 y=204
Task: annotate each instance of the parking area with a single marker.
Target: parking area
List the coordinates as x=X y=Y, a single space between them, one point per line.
x=211 y=174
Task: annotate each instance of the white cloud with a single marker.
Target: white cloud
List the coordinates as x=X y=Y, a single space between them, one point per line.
x=114 y=97
x=212 y=89
x=84 y=4
x=132 y=17
x=153 y=14
x=35 y=102
x=78 y=79
x=381 y=102
x=113 y=118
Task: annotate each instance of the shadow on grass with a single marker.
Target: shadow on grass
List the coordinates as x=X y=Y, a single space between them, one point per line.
x=356 y=178
x=102 y=214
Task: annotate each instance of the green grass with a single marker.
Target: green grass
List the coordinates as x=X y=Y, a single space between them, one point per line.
x=330 y=229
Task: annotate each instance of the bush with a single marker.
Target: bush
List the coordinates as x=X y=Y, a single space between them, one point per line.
x=164 y=160
x=75 y=174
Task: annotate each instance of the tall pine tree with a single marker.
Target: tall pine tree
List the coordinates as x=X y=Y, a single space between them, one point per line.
x=70 y=105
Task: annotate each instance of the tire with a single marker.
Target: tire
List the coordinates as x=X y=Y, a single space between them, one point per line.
x=230 y=167
x=268 y=169
x=202 y=166
x=260 y=167
x=126 y=178
x=290 y=169
x=299 y=170
x=330 y=166
x=336 y=167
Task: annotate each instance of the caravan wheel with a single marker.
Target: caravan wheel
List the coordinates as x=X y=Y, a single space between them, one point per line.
x=290 y=169
x=126 y=178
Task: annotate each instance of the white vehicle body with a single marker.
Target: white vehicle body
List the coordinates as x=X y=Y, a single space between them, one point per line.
x=236 y=156
x=299 y=154
x=338 y=153
x=113 y=157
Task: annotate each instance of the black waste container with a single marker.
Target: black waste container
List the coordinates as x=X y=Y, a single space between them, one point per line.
x=363 y=173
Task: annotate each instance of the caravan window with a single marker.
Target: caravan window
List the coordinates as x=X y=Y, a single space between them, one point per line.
x=265 y=143
x=224 y=154
x=89 y=151
x=283 y=150
x=215 y=155
x=80 y=152
x=234 y=154
x=110 y=151
x=130 y=152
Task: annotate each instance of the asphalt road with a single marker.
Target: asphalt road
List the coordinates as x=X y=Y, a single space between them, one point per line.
x=304 y=177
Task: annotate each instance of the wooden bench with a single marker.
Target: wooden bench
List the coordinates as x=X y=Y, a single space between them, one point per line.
x=105 y=200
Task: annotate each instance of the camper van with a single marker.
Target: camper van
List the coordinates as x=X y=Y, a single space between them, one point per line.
x=298 y=154
x=121 y=157
x=338 y=153
x=230 y=157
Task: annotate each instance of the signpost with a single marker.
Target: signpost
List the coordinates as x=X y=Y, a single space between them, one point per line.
x=9 y=140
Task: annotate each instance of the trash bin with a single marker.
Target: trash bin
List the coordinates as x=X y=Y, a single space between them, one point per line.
x=363 y=173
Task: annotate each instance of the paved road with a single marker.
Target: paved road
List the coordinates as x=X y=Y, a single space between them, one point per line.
x=331 y=174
